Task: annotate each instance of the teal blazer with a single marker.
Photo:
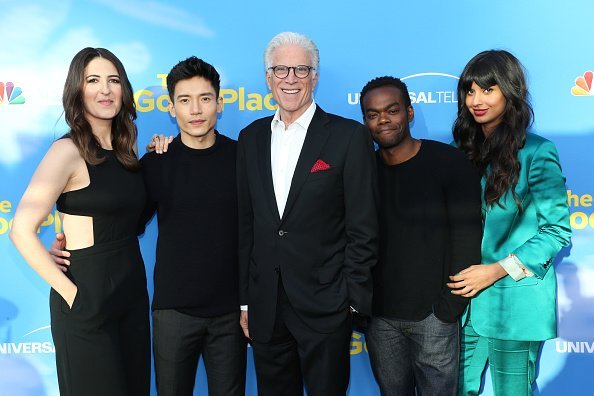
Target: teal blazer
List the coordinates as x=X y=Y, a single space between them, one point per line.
x=525 y=310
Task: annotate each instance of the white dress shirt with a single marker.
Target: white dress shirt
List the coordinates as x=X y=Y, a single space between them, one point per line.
x=515 y=268
x=285 y=148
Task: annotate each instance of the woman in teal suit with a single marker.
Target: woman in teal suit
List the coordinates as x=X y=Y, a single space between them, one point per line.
x=526 y=223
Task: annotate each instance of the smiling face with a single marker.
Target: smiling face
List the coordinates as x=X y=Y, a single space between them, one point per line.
x=102 y=92
x=293 y=94
x=387 y=116
x=195 y=107
x=487 y=106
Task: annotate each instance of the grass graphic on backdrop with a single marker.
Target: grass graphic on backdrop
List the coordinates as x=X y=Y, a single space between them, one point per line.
x=10 y=94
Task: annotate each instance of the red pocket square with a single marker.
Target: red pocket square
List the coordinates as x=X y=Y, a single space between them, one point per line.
x=319 y=166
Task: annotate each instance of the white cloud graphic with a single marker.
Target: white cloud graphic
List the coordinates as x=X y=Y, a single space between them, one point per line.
x=38 y=63
x=161 y=14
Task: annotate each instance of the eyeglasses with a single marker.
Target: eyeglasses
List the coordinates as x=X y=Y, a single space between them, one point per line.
x=282 y=71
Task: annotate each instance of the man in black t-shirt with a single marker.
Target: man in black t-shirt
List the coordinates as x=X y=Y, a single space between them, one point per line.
x=193 y=190
x=430 y=228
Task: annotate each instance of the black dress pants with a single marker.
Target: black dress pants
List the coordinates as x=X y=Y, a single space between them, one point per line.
x=103 y=341
x=297 y=356
x=179 y=339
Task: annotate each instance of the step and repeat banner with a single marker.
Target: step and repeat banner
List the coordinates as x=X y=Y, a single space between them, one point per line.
x=425 y=43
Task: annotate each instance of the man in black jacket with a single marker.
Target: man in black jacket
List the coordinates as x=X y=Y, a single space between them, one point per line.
x=308 y=230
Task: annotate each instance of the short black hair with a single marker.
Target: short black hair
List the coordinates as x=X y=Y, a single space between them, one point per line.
x=193 y=67
x=379 y=82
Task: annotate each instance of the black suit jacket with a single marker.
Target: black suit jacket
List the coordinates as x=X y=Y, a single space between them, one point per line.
x=325 y=244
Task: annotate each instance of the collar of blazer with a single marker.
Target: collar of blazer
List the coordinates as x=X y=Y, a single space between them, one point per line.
x=317 y=134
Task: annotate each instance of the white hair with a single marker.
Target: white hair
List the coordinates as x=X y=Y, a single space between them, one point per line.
x=291 y=38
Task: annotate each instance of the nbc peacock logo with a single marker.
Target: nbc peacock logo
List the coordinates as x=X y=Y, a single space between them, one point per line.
x=583 y=85
x=9 y=94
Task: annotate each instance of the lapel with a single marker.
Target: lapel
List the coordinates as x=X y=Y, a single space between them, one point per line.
x=316 y=137
x=265 y=168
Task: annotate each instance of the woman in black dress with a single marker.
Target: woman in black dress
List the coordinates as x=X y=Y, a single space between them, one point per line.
x=99 y=307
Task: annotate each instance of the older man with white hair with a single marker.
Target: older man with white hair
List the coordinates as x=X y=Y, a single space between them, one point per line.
x=307 y=229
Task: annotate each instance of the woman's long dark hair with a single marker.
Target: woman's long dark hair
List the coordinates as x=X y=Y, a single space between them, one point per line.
x=497 y=155
x=123 y=128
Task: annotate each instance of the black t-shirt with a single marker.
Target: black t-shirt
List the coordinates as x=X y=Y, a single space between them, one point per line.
x=195 y=195
x=430 y=228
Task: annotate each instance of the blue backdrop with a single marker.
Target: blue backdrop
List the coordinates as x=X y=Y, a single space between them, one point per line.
x=425 y=43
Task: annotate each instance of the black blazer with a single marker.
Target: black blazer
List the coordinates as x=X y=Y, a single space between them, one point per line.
x=326 y=242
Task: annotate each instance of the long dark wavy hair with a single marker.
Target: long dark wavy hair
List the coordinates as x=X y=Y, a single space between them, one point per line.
x=496 y=156
x=123 y=128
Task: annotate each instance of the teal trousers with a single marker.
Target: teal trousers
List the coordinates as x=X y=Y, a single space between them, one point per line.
x=512 y=364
